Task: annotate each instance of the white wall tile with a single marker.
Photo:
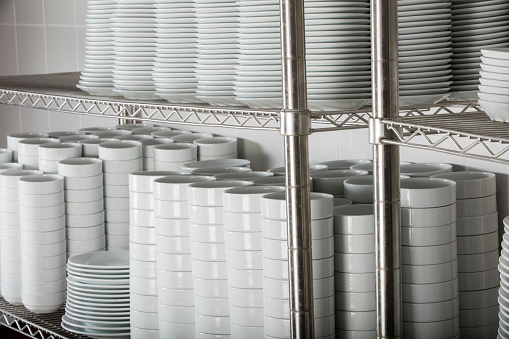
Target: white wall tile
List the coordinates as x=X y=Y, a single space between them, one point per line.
x=80 y=36
x=29 y=12
x=34 y=120
x=62 y=49
x=81 y=11
x=7 y=12
x=354 y=144
x=265 y=149
x=64 y=122
x=9 y=116
x=59 y=12
x=323 y=146
x=31 y=49
x=8 y=56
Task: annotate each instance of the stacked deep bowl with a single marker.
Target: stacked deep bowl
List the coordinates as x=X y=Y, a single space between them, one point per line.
x=43 y=242
x=244 y=260
x=171 y=156
x=120 y=158
x=478 y=251
x=84 y=204
x=10 y=230
x=493 y=90
x=208 y=253
x=174 y=264
x=28 y=151
x=429 y=258
x=332 y=181
x=5 y=155
x=50 y=154
x=354 y=236
x=90 y=147
x=148 y=146
x=216 y=148
x=276 y=289
x=196 y=165
x=15 y=138
x=98 y=295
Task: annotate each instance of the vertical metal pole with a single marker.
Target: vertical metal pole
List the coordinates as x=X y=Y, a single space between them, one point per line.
x=126 y=112
x=295 y=126
x=385 y=87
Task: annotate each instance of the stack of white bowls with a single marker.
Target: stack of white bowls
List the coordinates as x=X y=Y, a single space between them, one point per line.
x=208 y=253
x=135 y=137
x=423 y=170
x=148 y=163
x=216 y=148
x=111 y=133
x=97 y=75
x=359 y=189
x=43 y=242
x=77 y=137
x=478 y=251
x=177 y=52
x=120 y=158
x=10 y=243
x=190 y=137
x=475 y=25
x=503 y=298
x=494 y=80
x=90 y=147
x=148 y=146
x=249 y=175
x=98 y=295
x=429 y=258
x=15 y=138
x=168 y=133
x=331 y=181
x=244 y=260
x=50 y=154
x=171 y=156
x=134 y=27
x=173 y=256
x=190 y=166
x=343 y=164
x=354 y=233
x=5 y=155
x=218 y=50
x=7 y=166
x=425 y=51
x=148 y=130
x=276 y=289
x=28 y=151
x=142 y=247
x=84 y=204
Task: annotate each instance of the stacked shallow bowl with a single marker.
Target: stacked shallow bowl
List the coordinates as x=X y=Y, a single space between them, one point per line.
x=5 y=155
x=98 y=302
x=475 y=25
x=478 y=249
x=50 y=154
x=43 y=242
x=28 y=151
x=171 y=156
x=216 y=148
x=15 y=138
x=429 y=258
x=424 y=51
x=332 y=182
x=276 y=289
x=493 y=90
x=134 y=25
x=97 y=75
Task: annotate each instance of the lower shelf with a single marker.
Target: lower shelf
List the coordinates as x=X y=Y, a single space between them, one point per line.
x=41 y=326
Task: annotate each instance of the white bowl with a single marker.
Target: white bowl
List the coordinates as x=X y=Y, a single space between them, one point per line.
x=443 y=329
x=477 y=244
x=243 y=241
x=476 y=206
x=85 y=233
x=213 y=325
x=242 y=222
x=479 y=280
x=167 y=133
x=274 y=206
x=243 y=175
x=429 y=255
x=175 y=152
x=58 y=134
x=493 y=97
x=31 y=250
x=136 y=200
x=278 y=269
x=332 y=181
x=142 y=252
x=30 y=147
x=244 y=297
x=220 y=170
x=424 y=170
x=207 y=233
x=277 y=328
x=6 y=166
x=476 y=225
x=430 y=293
x=40 y=200
x=77 y=137
x=134 y=137
x=143 y=303
x=478 y=262
x=218 y=307
x=343 y=164
x=357 y=243
x=497 y=111
x=179 y=280
x=171 y=209
x=38 y=225
x=176 y=245
x=142 y=235
x=480 y=317
x=43 y=303
x=115 y=179
x=147 y=130
x=40 y=275
x=215 y=146
x=140 y=217
x=208 y=251
x=472 y=184
x=469 y=300
x=278 y=229
x=42 y=213
x=10 y=179
x=177 y=314
x=90 y=130
x=245 y=278
x=89 y=245
x=173 y=227
x=143 y=181
x=430 y=312
x=354 y=219
x=111 y=133
x=90 y=147
x=117 y=241
x=428 y=236
x=355 y=301
x=428 y=217
x=47 y=166
x=111 y=203
x=278 y=249
x=209 y=269
x=85 y=220
x=41 y=184
x=281 y=171
x=148 y=146
x=354 y=263
x=215 y=163
x=116 y=191
x=219 y=157
x=120 y=150
x=143 y=286
x=28 y=162
x=14 y=139
x=80 y=167
x=42 y=238
x=190 y=137
x=123 y=166
x=356 y=321
x=84 y=182
x=145 y=320
x=429 y=274
x=174 y=262
x=117 y=228
x=425 y=192
x=278 y=180
x=210 y=193
x=176 y=297
x=167 y=166
x=59 y=150
x=246 y=199
x=87 y=195
x=42 y=287
x=247 y=316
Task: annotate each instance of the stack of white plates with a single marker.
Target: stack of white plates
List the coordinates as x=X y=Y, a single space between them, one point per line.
x=171 y=156
x=332 y=182
x=338 y=57
x=208 y=253
x=97 y=75
x=14 y=139
x=10 y=243
x=503 y=298
x=134 y=25
x=244 y=260
x=50 y=154
x=424 y=51
x=173 y=256
x=43 y=242
x=276 y=288
x=98 y=295
x=216 y=148
x=429 y=258
x=475 y=25
x=84 y=204
x=218 y=51
x=28 y=151
x=478 y=249
x=493 y=90
x=177 y=51
x=120 y=157
x=354 y=233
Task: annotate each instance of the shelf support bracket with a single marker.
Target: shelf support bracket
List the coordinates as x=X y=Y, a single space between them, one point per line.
x=387 y=204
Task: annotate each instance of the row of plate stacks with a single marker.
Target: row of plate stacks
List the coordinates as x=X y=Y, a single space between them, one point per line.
x=503 y=298
x=424 y=51
x=98 y=301
x=475 y=25
x=134 y=27
x=494 y=88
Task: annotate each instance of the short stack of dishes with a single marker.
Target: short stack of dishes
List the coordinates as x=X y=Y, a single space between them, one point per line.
x=478 y=252
x=28 y=151
x=429 y=258
x=90 y=147
x=98 y=302
x=208 y=253
x=218 y=50
x=244 y=260
x=216 y=148
x=7 y=166
x=276 y=288
x=50 y=154
x=97 y=75
x=190 y=137
x=15 y=138
x=177 y=51
x=84 y=204
x=332 y=181
x=424 y=170
x=148 y=146
x=503 y=297
x=475 y=25
x=120 y=158
x=493 y=90
x=425 y=51
x=134 y=27
x=171 y=156
x=43 y=242
x=77 y=137
x=10 y=230
x=5 y=155
x=173 y=256
x=354 y=236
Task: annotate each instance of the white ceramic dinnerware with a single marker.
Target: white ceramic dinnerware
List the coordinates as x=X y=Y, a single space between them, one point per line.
x=28 y=151
x=189 y=167
x=494 y=81
x=50 y=154
x=332 y=181
x=216 y=148
x=343 y=164
x=5 y=155
x=171 y=156
x=15 y=138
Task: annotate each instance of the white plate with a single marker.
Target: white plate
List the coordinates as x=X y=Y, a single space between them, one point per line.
x=97 y=332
